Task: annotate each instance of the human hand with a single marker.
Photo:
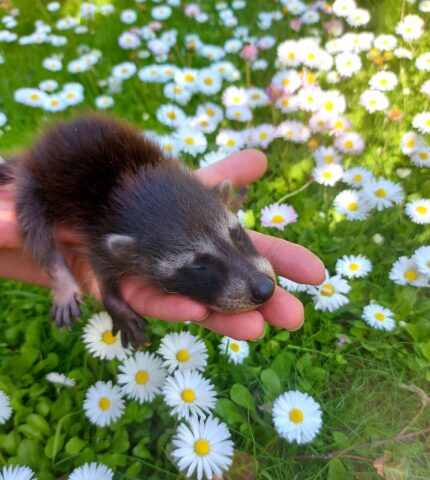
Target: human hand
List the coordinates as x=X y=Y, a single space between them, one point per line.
x=288 y=259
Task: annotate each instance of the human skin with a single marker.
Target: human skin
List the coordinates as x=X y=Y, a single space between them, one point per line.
x=288 y=259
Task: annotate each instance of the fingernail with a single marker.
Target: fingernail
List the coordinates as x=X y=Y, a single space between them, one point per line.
x=297 y=328
x=206 y=315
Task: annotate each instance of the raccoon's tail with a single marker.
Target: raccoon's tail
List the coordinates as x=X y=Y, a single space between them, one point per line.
x=6 y=175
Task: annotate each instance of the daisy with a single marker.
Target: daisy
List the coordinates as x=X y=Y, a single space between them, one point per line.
x=48 y=85
x=187 y=78
x=358 y=17
x=72 y=96
x=287 y=80
x=297 y=417
x=287 y=104
x=278 y=215
x=421 y=257
x=418 y=210
x=333 y=103
x=410 y=142
x=60 y=379
x=347 y=64
x=237 y=351
x=177 y=93
x=92 y=471
x=212 y=110
x=5 y=409
x=326 y=156
x=30 y=96
x=128 y=41
x=257 y=97
x=209 y=81
x=357 y=176
x=423 y=62
x=169 y=145
x=171 y=115
x=212 y=157
x=189 y=394
x=99 y=339
x=54 y=103
x=16 y=472
x=373 y=101
x=382 y=193
x=205 y=446
x=410 y=28
x=405 y=272
x=230 y=140
x=142 y=376
x=191 y=141
x=350 y=142
x=289 y=53
x=378 y=317
x=383 y=81
x=240 y=113
x=293 y=131
x=422 y=122
x=103 y=403
x=183 y=351
x=343 y=8
x=353 y=266
x=103 y=102
x=421 y=157
x=128 y=16
x=161 y=12
x=385 y=43
x=234 y=96
x=292 y=286
x=262 y=135
x=124 y=70
x=330 y=294
x=327 y=175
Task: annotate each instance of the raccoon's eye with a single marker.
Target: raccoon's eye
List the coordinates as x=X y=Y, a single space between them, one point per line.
x=238 y=234
x=201 y=263
x=199 y=268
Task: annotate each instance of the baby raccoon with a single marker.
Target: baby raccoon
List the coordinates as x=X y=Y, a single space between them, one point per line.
x=142 y=214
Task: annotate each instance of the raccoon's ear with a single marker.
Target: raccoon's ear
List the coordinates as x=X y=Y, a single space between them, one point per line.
x=117 y=244
x=227 y=195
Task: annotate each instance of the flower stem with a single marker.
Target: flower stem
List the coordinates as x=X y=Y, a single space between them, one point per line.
x=295 y=192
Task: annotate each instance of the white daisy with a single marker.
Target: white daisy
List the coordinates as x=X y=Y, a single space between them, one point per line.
x=103 y=403
x=385 y=43
x=378 y=317
x=421 y=257
x=230 y=140
x=128 y=41
x=142 y=376
x=183 y=351
x=421 y=157
x=357 y=176
x=234 y=96
x=5 y=409
x=124 y=70
x=382 y=193
x=99 y=339
x=297 y=417
x=422 y=122
x=189 y=394
x=236 y=350
x=353 y=266
x=292 y=286
x=350 y=142
x=103 y=102
x=409 y=142
x=128 y=16
x=60 y=379
x=171 y=115
x=330 y=294
x=410 y=28
x=405 y=272
x=352 y=204
x=423 y=62
x=347 y=64
x=293 y=131
x=205 y=447
x=191 y=141
x=418 y=210
x=383 y=81
x=278 y=216
x=91 y=471
x=17 y=472
x=374 y=101
x=240 y=113
x=327 y=175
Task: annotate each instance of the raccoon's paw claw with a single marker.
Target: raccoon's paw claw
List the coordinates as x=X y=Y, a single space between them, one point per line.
x=65 y=313
x=131 y=331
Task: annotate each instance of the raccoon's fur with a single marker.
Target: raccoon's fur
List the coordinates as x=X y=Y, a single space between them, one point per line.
x=142 y=214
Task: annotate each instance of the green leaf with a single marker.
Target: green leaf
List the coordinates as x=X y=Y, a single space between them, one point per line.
x=241 y=396
x=229 y=412
x=282 y=364
x=30 y=453
x=75 y=445
x=341 y=440
x=54 y=445
x=271 y=383
x=120 y=442
x=337 y=470
x=39 y=423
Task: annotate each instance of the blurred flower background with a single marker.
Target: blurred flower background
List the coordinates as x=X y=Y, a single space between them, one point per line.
x=337 y=95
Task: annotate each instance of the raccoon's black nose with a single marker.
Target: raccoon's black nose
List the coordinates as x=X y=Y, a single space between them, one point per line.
x=262 y=288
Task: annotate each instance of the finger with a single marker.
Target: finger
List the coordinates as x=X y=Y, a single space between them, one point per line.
x=289 y=259
x=151 y=301
x=18 y=265
x=283 y=310
x=241 y=168
x=240 y=326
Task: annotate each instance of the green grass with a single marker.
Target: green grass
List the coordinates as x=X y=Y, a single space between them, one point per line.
x=359 y=385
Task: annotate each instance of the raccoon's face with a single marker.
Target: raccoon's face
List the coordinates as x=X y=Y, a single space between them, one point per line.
x=184 y=236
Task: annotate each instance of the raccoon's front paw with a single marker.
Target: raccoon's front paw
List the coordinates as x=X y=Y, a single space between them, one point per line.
x=64 y=313
x=131 y=330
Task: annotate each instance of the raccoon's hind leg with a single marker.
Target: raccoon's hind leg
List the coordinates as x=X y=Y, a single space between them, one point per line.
x=39 y=240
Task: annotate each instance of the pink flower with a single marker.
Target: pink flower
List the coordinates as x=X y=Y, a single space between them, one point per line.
x=334 y=27
x=192 y=10
x=249 y=53
x=296 y=24
x=274 y=92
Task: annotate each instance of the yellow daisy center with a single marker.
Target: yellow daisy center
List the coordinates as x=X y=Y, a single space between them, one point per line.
x=348 y=144
x=168 y=148
x=235 y=347
x=108 y=337
x=379 y=316
x=410 y=143
x=357 y=177
x=263 y=136
x=353 y=206
x=189 y=78
x=178 y=90
x=428 y=122
x=202 y=447
x=329 y=106
x=353 y=266
x=34 y=96
x=381 y=193
x=296 y=415
x=327 y=175
x=210 y=112
x=182 y=356
x=54 y=102
x=142 y=377
x=423 y=156
x=188 y=395
x=124 y=70
x=277 y=218
x=208 y=81
x=411 y=275
x=421 y=209
x=189 y=141
x=327 y=290
x=104 y=403
x=291 y=56
x=255 y=96
x=230 y=142
x=171 y=115
x=285 y=82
